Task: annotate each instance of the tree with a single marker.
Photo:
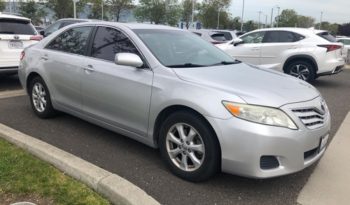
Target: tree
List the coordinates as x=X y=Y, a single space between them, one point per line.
x=186 y=13
x=117 y=6
x=305 y=21
x=64 y=8
x=96 y=8
x=209 y=11
x=2 y=5
x=332 y=28
x=344 y=29
x=288 y=18
x=151 y=10
x=32 y=10
x=250 y=26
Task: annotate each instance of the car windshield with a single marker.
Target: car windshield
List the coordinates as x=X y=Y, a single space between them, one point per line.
x=10 y=26
x=180 y=49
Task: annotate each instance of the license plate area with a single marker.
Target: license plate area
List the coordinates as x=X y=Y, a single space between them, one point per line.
x=14 y=44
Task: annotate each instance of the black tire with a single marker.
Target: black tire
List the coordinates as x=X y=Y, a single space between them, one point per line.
x=309 y=68
x=48 y=111
x=211 y=159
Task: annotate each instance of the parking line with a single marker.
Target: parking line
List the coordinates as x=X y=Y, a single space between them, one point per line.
x=330 y=182
x=12 y=93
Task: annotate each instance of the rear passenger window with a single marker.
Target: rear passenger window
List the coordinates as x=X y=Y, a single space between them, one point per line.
x=109 y=41
x=282 y=37
x=72 y=41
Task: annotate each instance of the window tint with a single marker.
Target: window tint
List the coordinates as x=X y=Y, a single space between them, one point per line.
x=344 y=41
x=327 y=36
x=282 y=37
x=72 y=41
x=256 y=37
x=52 y=28
x=10 y=26
x=218 y=37
x=109 y=41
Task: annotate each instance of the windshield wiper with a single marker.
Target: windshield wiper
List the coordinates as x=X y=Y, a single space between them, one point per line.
x=227 y=62
x=186 y=65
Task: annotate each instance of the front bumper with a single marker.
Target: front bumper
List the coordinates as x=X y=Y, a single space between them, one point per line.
x=243 y=144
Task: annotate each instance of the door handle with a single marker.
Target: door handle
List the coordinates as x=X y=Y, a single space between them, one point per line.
x=89 y=69
x=45 y=57
x=255 y=48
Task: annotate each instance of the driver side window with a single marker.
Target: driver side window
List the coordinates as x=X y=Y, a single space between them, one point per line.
x=256 y=37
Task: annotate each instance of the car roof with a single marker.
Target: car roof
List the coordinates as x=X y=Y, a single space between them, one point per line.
x=292 y=29
x=128 y=25
x=10 y=16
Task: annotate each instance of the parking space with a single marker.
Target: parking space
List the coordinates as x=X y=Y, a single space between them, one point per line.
x=142 y=165
x=9 y=83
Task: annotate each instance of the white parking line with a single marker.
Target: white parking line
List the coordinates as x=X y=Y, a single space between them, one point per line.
x=12 y=93
x=330 y=182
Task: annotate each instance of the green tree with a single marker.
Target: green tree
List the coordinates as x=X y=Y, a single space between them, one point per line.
x=209 y=10
x=332 y=28
x=250 y=26
x=117 y=6
x=172 y=12
x=32 y=10
x=288 y=18
x=305 y=21
x=64 y=8
x=96 y=8
x=151 y=10
x=2 y=5
x=186 y=12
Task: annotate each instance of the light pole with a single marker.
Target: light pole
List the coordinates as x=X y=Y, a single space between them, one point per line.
x=75 y=8
x=217 y=27
x=259 y=19
x=102 y=9
x=278 y=15
x=242 y=21
x=192 y=18
x=321 y=20
x=265 y=20
x=272 y=17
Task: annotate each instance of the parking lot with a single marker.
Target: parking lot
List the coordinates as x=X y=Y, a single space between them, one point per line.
x=142 y=165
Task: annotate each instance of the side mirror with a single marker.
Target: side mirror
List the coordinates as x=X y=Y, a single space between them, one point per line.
x=128 y=59
x=237 y=41
x=42 y=33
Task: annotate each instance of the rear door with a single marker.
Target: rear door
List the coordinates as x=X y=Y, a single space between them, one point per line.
x=249 y=50
x=276 y=46
x=63 y=59
x=15 y=34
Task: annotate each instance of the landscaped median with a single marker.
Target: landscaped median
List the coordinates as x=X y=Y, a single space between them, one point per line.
x=26 y=178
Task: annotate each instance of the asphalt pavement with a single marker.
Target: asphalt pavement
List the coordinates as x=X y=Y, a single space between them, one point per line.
x=142 y=165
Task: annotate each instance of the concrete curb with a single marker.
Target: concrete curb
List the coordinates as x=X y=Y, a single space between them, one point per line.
x=112 y=186
x=11 y=93
x=330 y=182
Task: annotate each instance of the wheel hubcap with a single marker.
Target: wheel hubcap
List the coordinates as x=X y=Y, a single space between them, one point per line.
x=185 y=147
x=300 y=71
x=39 y=97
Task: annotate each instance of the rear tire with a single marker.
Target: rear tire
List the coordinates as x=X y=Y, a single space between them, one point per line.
x=40 y=98
x=193 y=155
x=302 y=70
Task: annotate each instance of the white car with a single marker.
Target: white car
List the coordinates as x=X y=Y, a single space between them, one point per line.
x=16 y=33
x=346 y=42
x=303 y=53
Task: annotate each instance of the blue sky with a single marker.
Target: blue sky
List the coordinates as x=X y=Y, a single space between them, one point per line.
x=335 y=11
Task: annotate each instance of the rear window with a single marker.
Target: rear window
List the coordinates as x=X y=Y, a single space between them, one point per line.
x=10 y=26
x=327 y=36
x=218 y=37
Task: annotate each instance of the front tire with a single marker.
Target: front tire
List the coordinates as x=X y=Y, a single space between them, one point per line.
x=189 y=146
x=40 y=98
x=302 y=70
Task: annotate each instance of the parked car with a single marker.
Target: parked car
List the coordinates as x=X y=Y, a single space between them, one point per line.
x=303 y=53
x=16 y=33
x=39 y=28
x=60 y=24
x=346 y=42
x=215 y=36
x=205 y=111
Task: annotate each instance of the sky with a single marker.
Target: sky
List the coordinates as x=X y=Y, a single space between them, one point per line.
x=334 y=11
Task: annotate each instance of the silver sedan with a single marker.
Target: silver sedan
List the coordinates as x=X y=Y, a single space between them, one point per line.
x=169 y=89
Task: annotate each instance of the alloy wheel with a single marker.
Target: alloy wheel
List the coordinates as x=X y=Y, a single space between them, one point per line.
x=39 y=97
x=300 y=71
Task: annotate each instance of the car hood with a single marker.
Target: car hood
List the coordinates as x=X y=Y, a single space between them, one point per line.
x=254 y=85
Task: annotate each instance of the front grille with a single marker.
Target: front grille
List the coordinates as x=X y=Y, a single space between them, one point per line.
x=269 y=162
x=312 y=118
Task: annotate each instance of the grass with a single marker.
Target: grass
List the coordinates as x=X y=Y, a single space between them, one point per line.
x=23 y=175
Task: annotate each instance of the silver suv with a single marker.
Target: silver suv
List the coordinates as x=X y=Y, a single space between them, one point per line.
x=204 y=111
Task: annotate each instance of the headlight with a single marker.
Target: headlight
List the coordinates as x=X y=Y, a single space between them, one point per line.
x=260 y=114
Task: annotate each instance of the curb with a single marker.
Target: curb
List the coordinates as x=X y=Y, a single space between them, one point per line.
x=11 y=93
x=330 y=181
x=115 y=188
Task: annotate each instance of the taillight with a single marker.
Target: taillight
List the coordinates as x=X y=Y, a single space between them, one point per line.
x=22 y=55
x=331 y=47
x=36 y=38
